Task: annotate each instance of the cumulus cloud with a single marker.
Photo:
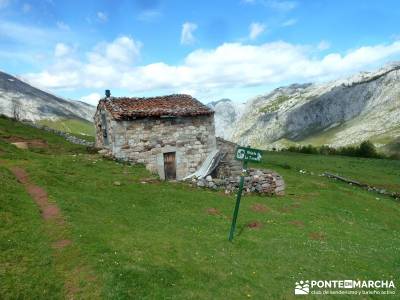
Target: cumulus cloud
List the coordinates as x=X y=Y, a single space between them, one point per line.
x=230 y=65
x=102 y=16
x=187 y=36
x=92 y=98
x=104 y=66
x=255 y=30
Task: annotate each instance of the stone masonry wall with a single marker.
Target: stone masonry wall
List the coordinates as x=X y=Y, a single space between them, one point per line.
x=229 y=166
x=146 y=140
x=99 y=143
x=265 y=182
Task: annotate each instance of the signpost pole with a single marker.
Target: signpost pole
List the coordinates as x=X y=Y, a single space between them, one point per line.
x=239 y=195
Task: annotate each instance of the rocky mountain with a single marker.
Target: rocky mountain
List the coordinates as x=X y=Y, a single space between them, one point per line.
x=227 y=113
x=337 y=113
x=30 y=103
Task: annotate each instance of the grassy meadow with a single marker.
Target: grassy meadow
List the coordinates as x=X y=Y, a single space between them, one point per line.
x=80 y=128
x=134 y=237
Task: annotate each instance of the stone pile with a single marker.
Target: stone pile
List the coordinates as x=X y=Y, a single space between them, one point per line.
x=264 y=182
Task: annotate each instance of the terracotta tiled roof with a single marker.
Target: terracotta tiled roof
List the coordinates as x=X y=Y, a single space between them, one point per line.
x=173 y=105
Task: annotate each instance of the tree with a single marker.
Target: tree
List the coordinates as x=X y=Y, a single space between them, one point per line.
x=16 y=109
x=367 y=149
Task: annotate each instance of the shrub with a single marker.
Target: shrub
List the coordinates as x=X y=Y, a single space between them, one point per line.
x=365 y=149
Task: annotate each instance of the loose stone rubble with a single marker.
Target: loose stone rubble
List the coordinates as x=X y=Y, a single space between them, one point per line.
x=265 y=182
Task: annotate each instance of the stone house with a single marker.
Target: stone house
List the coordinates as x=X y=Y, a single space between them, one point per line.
x=172 y=135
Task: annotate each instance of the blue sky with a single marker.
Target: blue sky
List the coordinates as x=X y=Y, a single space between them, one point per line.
x=210 y=49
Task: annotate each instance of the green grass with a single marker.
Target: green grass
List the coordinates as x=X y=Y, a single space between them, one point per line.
x=78 y=127
x=27 y=269
x=387 y=142
x=382 y=173
x=157 y=241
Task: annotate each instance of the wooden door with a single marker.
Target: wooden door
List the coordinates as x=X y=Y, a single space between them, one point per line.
x=169 y=166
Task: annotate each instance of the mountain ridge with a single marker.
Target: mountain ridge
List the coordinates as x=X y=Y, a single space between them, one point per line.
x=336 y=113
x=35 y=104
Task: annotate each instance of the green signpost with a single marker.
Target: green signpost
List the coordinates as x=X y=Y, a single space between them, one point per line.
x=244 y=154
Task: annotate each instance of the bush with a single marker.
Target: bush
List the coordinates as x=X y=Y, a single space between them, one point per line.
x=365 y=149
x=309 y=149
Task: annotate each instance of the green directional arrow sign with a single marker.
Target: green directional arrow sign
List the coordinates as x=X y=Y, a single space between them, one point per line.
x=244 y=154
x=248 y=154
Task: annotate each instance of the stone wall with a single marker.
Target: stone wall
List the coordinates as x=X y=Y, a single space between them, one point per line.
x=99 y=143
x=229 y=166
x=227 y=175
x=145 y=140
x=265 y=182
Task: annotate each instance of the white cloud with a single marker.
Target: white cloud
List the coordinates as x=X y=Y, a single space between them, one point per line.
x=92 y=98
x=102 y=16
x=122 y=50
x=187 y=36
x=324 y=45
x=104 y=66
x=289 y=22
x=230 y=65
x=61 y=50
x=61 y=25
x=26 y=7
x=255 y=30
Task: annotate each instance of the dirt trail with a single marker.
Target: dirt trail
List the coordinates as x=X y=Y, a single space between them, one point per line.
x=22 y=143
x=49 y=211
x=52 y=215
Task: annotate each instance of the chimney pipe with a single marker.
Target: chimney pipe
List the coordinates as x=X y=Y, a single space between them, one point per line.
x=108 y=94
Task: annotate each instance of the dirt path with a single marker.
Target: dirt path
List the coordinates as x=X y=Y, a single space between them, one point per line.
x=49 y=211
x=74 y=271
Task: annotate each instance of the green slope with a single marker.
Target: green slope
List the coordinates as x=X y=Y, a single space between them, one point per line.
x=79 y=127
x=146 y=239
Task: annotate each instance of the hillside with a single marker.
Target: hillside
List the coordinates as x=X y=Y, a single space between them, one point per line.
x=107 y=230
x=338 y=113
x=226 y=114
x=34 y=104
